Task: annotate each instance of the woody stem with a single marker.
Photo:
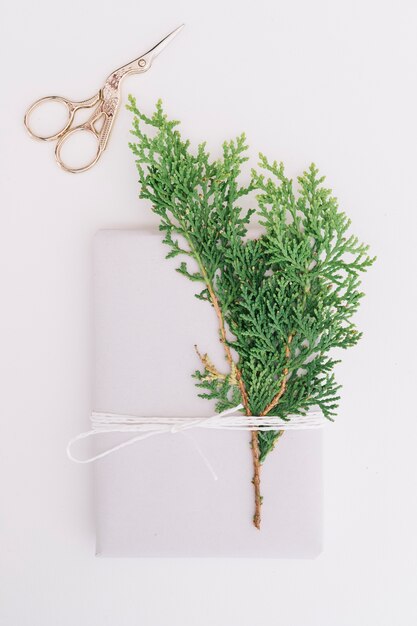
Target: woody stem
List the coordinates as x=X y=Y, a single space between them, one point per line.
x=245 y=400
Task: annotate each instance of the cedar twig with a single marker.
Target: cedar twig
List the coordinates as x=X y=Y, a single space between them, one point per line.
x=222 y=332
x=212 y=372
x=234 y=369
x=254 y=434
x=256 y=480
x=255 y=442
x=283 y=387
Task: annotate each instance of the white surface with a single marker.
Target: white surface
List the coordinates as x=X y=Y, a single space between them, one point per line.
x=329 y=81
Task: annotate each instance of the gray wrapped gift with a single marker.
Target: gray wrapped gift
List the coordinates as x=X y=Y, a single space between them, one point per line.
x=157 y=497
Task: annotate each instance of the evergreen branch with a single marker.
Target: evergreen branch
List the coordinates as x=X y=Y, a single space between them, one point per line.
x=282 y=301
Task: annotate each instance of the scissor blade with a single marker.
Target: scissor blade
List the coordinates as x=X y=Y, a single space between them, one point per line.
x=153 y=52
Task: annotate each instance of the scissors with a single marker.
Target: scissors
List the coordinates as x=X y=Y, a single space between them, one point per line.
x=106 y=103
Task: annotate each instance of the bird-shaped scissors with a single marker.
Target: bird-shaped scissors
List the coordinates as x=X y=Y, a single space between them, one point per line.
x=105 y=104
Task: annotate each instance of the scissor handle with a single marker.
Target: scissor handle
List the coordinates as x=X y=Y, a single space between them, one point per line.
x=72 y=108
x=89 y=127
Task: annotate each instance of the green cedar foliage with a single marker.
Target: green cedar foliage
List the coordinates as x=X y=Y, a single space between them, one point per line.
x=286 y=297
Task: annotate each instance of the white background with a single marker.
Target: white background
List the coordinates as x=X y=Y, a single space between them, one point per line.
x=333 y=82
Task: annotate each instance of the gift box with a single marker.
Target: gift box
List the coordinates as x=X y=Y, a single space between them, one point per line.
x=182 y=494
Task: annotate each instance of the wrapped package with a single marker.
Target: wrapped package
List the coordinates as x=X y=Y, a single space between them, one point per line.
x=185 y=494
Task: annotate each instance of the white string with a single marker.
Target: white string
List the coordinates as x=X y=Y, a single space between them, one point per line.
x=200 y=452
x=231 y=419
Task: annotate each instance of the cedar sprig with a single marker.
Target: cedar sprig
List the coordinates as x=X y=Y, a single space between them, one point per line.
x=284 y=300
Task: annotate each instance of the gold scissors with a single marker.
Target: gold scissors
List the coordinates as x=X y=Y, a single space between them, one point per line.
x=106 y=103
